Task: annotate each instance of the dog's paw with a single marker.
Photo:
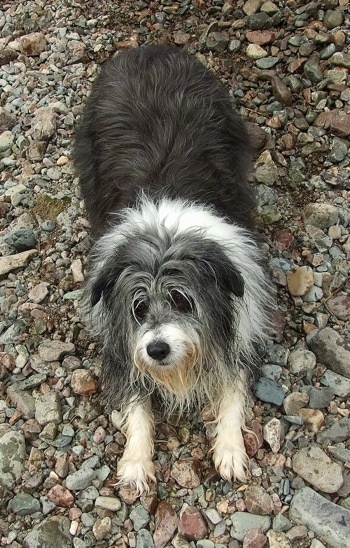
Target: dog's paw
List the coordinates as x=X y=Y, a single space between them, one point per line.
x=137 y=474
x=230 y=461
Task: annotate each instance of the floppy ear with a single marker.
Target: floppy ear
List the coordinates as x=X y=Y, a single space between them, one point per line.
x=227 y=275
x=102 y=287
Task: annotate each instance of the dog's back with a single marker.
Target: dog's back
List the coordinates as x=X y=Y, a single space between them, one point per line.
x=159 y=121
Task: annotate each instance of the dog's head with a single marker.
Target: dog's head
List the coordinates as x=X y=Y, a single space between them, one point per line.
x=169 y=304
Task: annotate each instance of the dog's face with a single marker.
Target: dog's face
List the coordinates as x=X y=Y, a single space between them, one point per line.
x=170 y=304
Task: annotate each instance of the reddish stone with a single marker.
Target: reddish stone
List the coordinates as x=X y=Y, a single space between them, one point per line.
x=340 y=307
x=336 y=121
x=166 y=524
x=186 y=473
x=191 y=524
x=253 y=438
x=260 y=37
x=83 y=383
x=283 y=239
x=60 y=496
x=128 y=495
x=257 y=501
x=254 y=539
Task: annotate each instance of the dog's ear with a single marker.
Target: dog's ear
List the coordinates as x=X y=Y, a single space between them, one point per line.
x=102 y=286
x=226 y=273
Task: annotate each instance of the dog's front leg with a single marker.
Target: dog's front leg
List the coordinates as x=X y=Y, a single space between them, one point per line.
x=229 y=454
x=136 y=467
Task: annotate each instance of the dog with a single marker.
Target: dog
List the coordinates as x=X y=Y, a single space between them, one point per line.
x=176 y=286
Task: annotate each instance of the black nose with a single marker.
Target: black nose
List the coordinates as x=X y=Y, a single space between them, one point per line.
x=158 y=350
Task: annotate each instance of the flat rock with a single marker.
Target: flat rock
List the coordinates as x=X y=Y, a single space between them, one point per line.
x=273 y=434
x=336 y=121
x=278 y=539
x=300 y=281
x=330 y=522
x=269 y=391
x=51 y=351
x=12 y=262
x=12 y=458
x=315 y=467
x=254 y=539
x=321 y=215
x=48 y=409
x=340 y=307
x=295 y=401
x=339 y=385
x=33 y=44
x=192 y=525
x=166 y=524
x=83 y=382
x=80 y=479
x=186 y=473
x=301 y=361
x=242 y=522
x=339 y=431
x=53 y=531
x=24 y=504
x=332 y=350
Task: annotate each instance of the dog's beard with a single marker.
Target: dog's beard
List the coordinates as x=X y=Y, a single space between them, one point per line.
x=179 y=371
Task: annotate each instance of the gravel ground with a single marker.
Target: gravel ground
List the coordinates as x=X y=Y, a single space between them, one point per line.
x=286 y=64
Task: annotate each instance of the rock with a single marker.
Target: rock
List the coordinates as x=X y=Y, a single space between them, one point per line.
x=281 y=92
x=53 y=531
x=43 y=125
x=266 y=170
x=60 y=496
x=12 y=458
x=281 y=523
x=102 y=527
x=297 y=532
x=23 y=401
x=217 y=41
x=191 y=524
x=52 y=351
x=6 y=141
x=295 y=401
x=144 y=539
x=300 y=281
x=314 y=466
x=333 y=18
x=251 y=6
x=255 y=52
x=273 y=434
x=260 y=37
x=320 y=215
x=39 y=292
x=257 y=501
x=340 y=307
x=278 y=540
x=301 y=361
x=330 y=522
x=83 y=383
x=337 y=383
x=108 y=503
x=269 y=391
x=313 y=418
x=12 y=262
x=21 y=239
x=339 y=431
x=313 y=70
x=166 y=524
x=80 y=479
x=48 y=409
x=7 y=55
x=267 y=62
x=33 y=44
x=254 y=539
x=186 y=473
x=242 y=522
x=139 y=516
x=336 y=121
x=24 y=504
x=331 y=350
x=253 y=438
x=341 y=59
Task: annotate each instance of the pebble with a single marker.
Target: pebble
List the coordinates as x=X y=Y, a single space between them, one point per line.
x=166 y=524
x=242 y=522
x=39 y=292
x=24 y=504
x=278 y=539
x=61 y=496
x=319 y=398
x=52 y=351
x=13 y=262
x=257 y=501
x=33 y=44
x=301 y=361
x=254 y=539
x=255 y=51
x=186 y=473
x=295 y=401
x=300 y=281
x=253 y=438
x=337 y=383
x=102 y=527
x=321 y=215
x=48 y=409
x=314 y=466
x=269 y=391
x=266 y=171
x=80 y=479
x=143 y=539
x=191 y=524
x=273 y=434
x=313 y=418
x=52 y=531
x=329 y=521
x=339 y=431
x=83 y=383
x=21 y=239
x=139 y=516
x=339 y=306
x=281 y=523
x=12 y=458
x=332 y=350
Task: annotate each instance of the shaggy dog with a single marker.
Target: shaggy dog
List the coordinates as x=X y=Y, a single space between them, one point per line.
x=177 y=292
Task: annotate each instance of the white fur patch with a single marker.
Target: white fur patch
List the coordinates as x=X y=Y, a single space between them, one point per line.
x=136 y=467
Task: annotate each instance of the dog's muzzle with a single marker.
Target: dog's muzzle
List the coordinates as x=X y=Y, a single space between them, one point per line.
x=158 y=350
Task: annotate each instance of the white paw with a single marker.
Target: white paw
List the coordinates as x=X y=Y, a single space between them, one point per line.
x=136 y=473
x=230 y=461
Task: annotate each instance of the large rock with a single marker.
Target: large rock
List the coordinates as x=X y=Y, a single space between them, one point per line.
x=53 y=531
x=330 y=522
x=332 y=350
x=12 y=458
x=314 y=466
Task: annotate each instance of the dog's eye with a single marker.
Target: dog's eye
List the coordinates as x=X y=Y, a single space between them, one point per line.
x=140 y=310
x=180 y=302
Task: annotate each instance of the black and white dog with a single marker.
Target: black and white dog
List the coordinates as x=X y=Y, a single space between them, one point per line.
x=177 y=292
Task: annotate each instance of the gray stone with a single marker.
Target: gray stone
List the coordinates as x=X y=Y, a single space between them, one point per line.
x=341 y=59
x=339 y=452
x=108 y=503
x=13 y=333
x=319 y=398
x=301 y=361
x=318 y=238
x=315 y=467
x=48 y=408
x=313 y=70
x=332 y=350
x=51 y=351
x=24 y=504
x=53 y=531
x=339 y=431
x=337 y=383
x=6 y=142
x=266 y=171
x=12 y=458
x=21 y=239
x=44 y=123
x=320 y=214
x=242 y=522
x=80 y=479
x=269 y=391
x=271 y=371
x=144 y=539
x=281 y=523
x=330 y=522
x=333 y=18
x=217 y=41
x=267 y=62
x=295 y=401
x=259 y=21
x=140 y=517
x=277 y=354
